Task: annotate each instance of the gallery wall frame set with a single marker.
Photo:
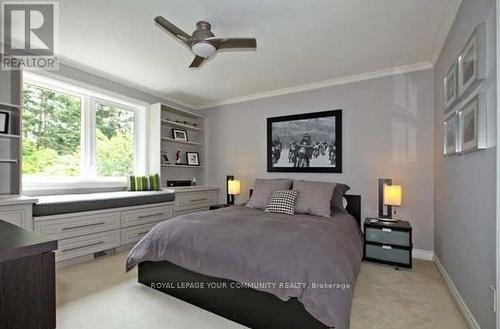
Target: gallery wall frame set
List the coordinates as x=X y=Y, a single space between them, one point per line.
x=465 y=108
x=467 y=71
x=465 y=129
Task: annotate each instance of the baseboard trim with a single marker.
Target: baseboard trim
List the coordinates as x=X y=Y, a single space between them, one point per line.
x=455 y=294
x=423 y=254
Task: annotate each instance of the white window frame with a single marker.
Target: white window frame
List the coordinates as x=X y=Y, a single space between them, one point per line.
x=90 y=96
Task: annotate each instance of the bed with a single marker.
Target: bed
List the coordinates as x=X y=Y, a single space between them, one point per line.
x=257 y=269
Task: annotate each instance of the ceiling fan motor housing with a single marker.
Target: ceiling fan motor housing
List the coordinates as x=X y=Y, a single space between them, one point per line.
x=199 y=45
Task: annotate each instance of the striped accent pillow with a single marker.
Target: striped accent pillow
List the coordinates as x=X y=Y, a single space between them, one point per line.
x=144 y=183
x=282 y=202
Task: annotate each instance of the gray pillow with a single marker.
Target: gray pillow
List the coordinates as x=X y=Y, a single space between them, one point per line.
x=263 y=188
x=314 y=197
x=338 y=195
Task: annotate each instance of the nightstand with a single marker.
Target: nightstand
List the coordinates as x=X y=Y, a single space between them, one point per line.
x=388 y=243
x=218 y=206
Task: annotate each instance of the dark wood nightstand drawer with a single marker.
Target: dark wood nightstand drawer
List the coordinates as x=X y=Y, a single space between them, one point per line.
x=388 y=242
x=389 y=254
x=388 y=236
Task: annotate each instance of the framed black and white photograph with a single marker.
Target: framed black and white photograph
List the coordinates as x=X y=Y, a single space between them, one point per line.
x=179 y=135
x=450 y=87
x=193 y=158
x=4 y=122
x=310 y=142
x=472 y=125
x=472 y=61
x=451 y=135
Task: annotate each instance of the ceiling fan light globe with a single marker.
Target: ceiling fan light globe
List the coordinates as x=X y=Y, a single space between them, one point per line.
x=203 y=49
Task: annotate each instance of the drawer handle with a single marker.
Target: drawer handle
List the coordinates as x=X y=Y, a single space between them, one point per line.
x=387 y=247
x=82 y=226
x=85 y=246
x=386 y=230
x=198 y=200
x=151 y=215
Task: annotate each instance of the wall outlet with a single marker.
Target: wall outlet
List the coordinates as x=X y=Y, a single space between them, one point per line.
x=493 y=299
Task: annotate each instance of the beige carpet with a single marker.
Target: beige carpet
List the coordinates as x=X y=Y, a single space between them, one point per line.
x=98 y=295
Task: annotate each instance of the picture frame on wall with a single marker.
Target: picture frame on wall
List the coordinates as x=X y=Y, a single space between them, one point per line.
x=472 y=61
x=193 y=158
x=472 y=125
x=4 y=122
x=310 y=142
x=450 y=84
x=450 y=126
x=179 y=135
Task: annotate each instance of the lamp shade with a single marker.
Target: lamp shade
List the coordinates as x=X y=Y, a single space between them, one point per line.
x=392 y=195
x=233 y=187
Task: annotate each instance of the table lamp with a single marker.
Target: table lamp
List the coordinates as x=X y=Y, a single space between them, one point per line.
x=392 y=197
x=233 y=188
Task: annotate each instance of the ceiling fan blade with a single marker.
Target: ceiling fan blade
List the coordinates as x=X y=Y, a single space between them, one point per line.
x=174 y=30
x=197 y=61
x=226 y=43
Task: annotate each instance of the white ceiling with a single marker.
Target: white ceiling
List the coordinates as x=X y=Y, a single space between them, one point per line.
x=300 y=42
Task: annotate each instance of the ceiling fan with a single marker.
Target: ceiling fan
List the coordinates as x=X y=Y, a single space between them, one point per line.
x=203 y=42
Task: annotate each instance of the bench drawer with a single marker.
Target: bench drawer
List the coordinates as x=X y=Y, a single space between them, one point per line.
x=388 y=236
x=17 y=215
x=135 y=233
x=72 y=226
x=89 y=244
x=192 y=200
x=388 y=254
x=146 y=215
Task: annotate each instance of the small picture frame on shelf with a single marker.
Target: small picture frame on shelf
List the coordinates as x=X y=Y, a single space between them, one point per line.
x=451 y=135
x=192 y=158
x=472 y=61
x=472 y=125
x=450 y=88
x=164 y=158
x=4 y=122
x=179 y=134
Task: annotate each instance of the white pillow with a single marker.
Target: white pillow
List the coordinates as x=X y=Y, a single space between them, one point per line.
x=344 y=202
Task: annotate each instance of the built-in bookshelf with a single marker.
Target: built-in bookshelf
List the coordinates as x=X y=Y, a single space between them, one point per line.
x=163 y=119
x=10 y=142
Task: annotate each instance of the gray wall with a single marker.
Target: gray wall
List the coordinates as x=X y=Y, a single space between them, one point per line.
x=376 y=115
x=465 y=185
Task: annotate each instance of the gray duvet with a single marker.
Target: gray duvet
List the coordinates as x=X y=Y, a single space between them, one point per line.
x=314 y=259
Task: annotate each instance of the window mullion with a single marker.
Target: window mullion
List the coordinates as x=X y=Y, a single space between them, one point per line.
x=89 y=138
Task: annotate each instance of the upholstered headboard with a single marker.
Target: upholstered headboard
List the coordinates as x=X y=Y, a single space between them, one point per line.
x=353 y=205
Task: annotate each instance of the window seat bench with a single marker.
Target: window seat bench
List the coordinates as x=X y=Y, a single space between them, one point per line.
x=88 y=225
x=72 y=203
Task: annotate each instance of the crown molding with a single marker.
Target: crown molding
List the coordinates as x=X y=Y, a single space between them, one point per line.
x=278 y=92
x=113 y=78
x=323 y=84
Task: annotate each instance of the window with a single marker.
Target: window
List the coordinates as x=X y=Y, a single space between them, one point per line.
x=71 y=134
x=51 y=132
x=114 y=141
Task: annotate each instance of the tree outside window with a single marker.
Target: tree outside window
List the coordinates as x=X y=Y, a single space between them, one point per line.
x=52 y=136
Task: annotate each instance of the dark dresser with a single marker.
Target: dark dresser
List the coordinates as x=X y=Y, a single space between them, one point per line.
x=27 y=279
x=388 y=242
